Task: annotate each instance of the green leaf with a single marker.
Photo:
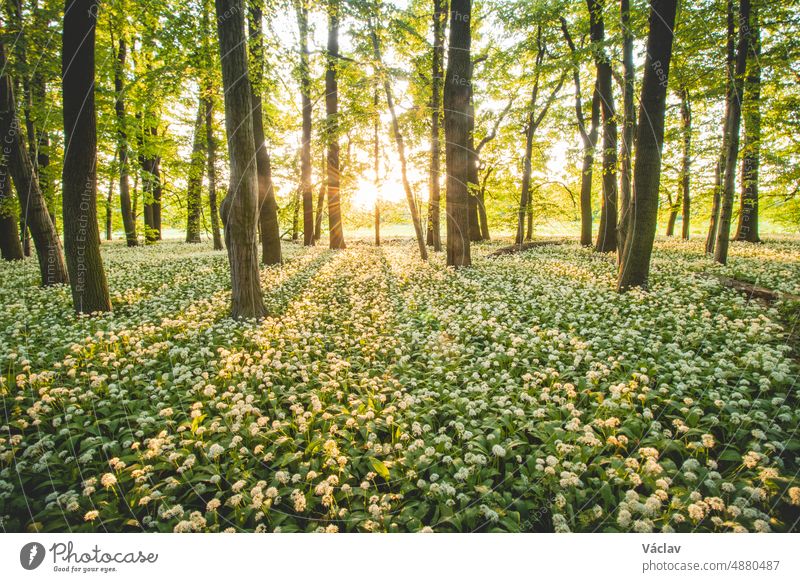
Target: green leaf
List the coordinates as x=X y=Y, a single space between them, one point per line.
x=380 y=468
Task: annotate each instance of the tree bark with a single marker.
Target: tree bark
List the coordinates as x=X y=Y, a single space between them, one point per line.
x=673 y=216
x=240 y=207
x=79 y=177
x=332 y=128
x=456 y=126
x=607 y=234
x=747 y=229
x=401 y=150
x=634 y=268
x=10 y=246
x=110 y=198
x=626 y=149
x=211 y=141
x=734 y=122
x=307 y=190
x=589 y=139
x=31 y=202
x=128 y=217
x=434 y=237
x=472 y=171
x=730 y=60
x=484 y=219
x=151 y=182
x=686 y=164
x=376 y=148
x=268 y=207
x=211 y=168
x=194 y=183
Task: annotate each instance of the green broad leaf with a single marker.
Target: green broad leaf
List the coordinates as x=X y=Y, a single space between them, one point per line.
x=730 y=455
x=380 y=468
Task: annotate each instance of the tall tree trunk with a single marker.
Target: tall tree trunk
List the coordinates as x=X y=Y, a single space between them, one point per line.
x=607 y=235
x=401 y=150
x=268 y=206
x=31 y=202
x=128 y=217
x=673 y=216
x=296 y=215
x=626 y=149
x=747 y=229
x=686 y=164
x=456 y=129
x=434 y=237
x=376 y=163
x=734 y=122
x=472 y=172
x=634 y=269
x=24 y=236
x=484 y=220
x=194 y=183
x=79 y=177
x=730 y=61
x=589 y=139
x=525 y=202
x=209 y=91
x=151 y=172
x=110 y=198
x=301 y=8
x=332 y=128
x=33 y=100
x=10 y=246
x=211 y=168
x=240 y=207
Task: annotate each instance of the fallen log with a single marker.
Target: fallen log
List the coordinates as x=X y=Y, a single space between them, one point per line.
x=752 y=290
x=512 y=249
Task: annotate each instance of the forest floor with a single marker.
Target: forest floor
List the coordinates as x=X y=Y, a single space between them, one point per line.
x=384 y=394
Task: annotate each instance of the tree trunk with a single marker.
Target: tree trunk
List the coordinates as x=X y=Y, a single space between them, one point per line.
x=401 y=150
x=730 y=60
x=10 y=246
x=524 y=201
x=211 y=141
x=151 y=178
x=686 y=126
x=211 y=169
x=747 y=229
x=240 y=207
x=634 y=268
x=734 y=122
x=484 y=220
x=332 y=128
x=607 y=235
x=529 y=229
x=31 y=202
x=673 y=216
x=589 y=139
x=434 y=237
x=110 y=198
x=456 y=127
x=128 y=217
x=301 y=8
x=79 y=178
x=376 y=164
x=194 y=183
x=472 y=173
x=268 y=207
x=626 y=149
x=296 y=215
x=24 y=236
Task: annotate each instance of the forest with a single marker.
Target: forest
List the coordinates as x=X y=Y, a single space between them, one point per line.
x=399 y=266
